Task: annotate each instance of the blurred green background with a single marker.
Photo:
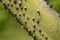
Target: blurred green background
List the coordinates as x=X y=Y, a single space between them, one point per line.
x=56 y=4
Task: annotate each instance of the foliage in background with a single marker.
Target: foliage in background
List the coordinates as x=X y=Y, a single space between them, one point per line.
x=55 y=3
